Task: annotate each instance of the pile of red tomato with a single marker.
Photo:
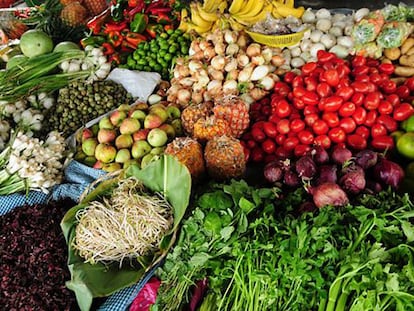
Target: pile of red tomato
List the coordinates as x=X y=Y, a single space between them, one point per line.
x=332 y=101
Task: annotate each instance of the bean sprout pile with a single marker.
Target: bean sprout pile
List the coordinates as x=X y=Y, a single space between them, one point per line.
x=129 y=224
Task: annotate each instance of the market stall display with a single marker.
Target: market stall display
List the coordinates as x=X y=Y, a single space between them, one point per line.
x=223 y=155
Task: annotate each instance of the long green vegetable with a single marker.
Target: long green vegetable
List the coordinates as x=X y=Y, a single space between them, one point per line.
x=38 y=74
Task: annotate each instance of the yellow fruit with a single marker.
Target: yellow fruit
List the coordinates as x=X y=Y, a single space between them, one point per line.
x=225 y=158
x=95 y=7
x=236 y=6
x=210 y=17
x=235 y=112
x=74 y=14
x=207 y=128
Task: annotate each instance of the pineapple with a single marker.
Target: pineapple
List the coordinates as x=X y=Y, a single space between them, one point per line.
x=74 y=14
x=235 y=112
x=95 y=7
x=225 y=158
x=192 y=113
x=190 y=153
x=210 y=127
x=66 y=2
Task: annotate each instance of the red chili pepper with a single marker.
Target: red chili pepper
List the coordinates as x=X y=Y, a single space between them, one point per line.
x=139 y=8
x=108 y=49
x=111 y=27
x=153 y=30
x=115 y=38
x=162 y=18
x=168 y=27
x=115 y=58
x=156 y=11
x=96 y=23
x=134 y=39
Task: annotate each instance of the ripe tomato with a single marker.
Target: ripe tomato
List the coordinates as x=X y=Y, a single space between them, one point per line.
x=308 y=68
x=269 y=158
x=258 y=134
x=274 y=119
x=250 y=143
x=332 y=77
x=343 y=71
x=385 y=107
x=310 y=98
x=358 y=98
x=290 y=143
x=298 y=103
x=266 y=110
x=403 y=92
x=333 y=103
x=389 y=123
x=410 y=83
x=356 y=141
x=320 y=127
x=288 y=77
x=362 y=131
x=371 y=62
x=299 y=91
x=310 y=83
x=376 y=78
x=282 y=88
x=282 y=153
x=280 y=139
x=386 y=68
x=297 y=81
x=270 y=129
x=311 y=118
x=268 y=146
x=403 y=112
x=358 y=61
x=337 y=135
x=360 y=87
x=371 y=118
x=331 y=118
x=393 y=99
x=360 y=115
x=383 y=143
x=344 y=82
x=301 y=150
x=283 y=126
x=323 y=140
x=297 y=125
x=378 y=130
x=305 y=137
x=347 y=124
x=347 y=109
x=257 y=154
x=310 y=109
x=324 y=56
x=389 y=86
x=362 y=78
x=345 y=92
x=372 y=100
x=323 y=89
x=282 y=108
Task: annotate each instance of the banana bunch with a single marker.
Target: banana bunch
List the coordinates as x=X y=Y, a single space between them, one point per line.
x=202 y=17
x=249 y=12
x=284 y=8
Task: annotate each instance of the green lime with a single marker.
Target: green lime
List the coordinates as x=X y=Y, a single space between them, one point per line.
x=405 y=145
x=408 y=125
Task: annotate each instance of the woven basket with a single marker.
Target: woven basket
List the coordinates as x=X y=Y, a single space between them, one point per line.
x=277 y=41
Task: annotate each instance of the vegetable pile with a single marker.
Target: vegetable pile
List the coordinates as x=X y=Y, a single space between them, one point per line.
x=33 y=262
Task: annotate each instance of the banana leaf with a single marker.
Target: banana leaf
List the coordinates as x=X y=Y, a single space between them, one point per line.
x=166 y=176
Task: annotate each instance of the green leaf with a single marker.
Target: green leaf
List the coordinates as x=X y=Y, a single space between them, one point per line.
x=246 y=205
x=199 y=259
x=408 y=229
x=166 y=176
x=226 y=232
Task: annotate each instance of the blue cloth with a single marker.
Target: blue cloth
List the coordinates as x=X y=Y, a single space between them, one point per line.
x=11 y=201
x=77 y=178
x=122 y=299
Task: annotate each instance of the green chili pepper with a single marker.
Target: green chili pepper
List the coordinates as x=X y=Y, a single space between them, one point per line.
x=139 y=23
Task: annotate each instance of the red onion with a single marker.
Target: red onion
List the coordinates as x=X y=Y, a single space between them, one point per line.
x=389 y=173
x=291 y=179
x=305 y=167
x=366 y=158
x=327 y=173
x=353 y=182
x=273 y=172
x=320 y=155
x=329 y=194
x=341 y=154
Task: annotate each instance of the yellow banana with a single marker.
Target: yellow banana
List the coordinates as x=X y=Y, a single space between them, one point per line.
x=222 y=6
x=235 y=25
x=197 y=19
x=208 y=5
x=254 y=11
x=183 y=20
x=276 y=14
x=284 y=10
x=199 y=29
x=210 y=17
x=290 y=3
x=257 y=18
x=236 y=6
x=247 y=7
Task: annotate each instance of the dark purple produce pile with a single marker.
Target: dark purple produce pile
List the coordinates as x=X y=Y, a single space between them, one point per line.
x=33 y=259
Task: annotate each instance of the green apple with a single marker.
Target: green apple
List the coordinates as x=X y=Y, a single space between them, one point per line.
x=35 y=42
x=89 y=145
x=157 y=137
x=66 y=46
x=122 y=156
x=140 y=148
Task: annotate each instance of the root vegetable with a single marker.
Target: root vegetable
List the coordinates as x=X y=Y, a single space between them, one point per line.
x=245 y=74
x=214 y=87
x=315 y=48
x=329 y=194
x=258 y=60
x=308 y=16
x=296 y=51
x=232 y=49
x=267 y=83
x=253 y=50
x=259 y=72
x=360 y=14
x=316 y=35
x=328 y=40
x=323 y=24
x=183 y=96
x=297 y=62
x=230 y=87
x=407 y=60
x=256 y=94
x=392 y=53
x=323 y=13
x=336 y=31
x=340 y=51
x=345 y=41
x=242 y=60
x=408 y=44
x=277 y=60
x=404 y=71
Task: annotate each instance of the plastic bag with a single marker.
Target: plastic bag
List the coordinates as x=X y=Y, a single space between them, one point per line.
x=393 y=34
x=147 y=296
x=368 y=28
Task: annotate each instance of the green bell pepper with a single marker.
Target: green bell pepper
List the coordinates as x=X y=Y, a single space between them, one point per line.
x=139 y=23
